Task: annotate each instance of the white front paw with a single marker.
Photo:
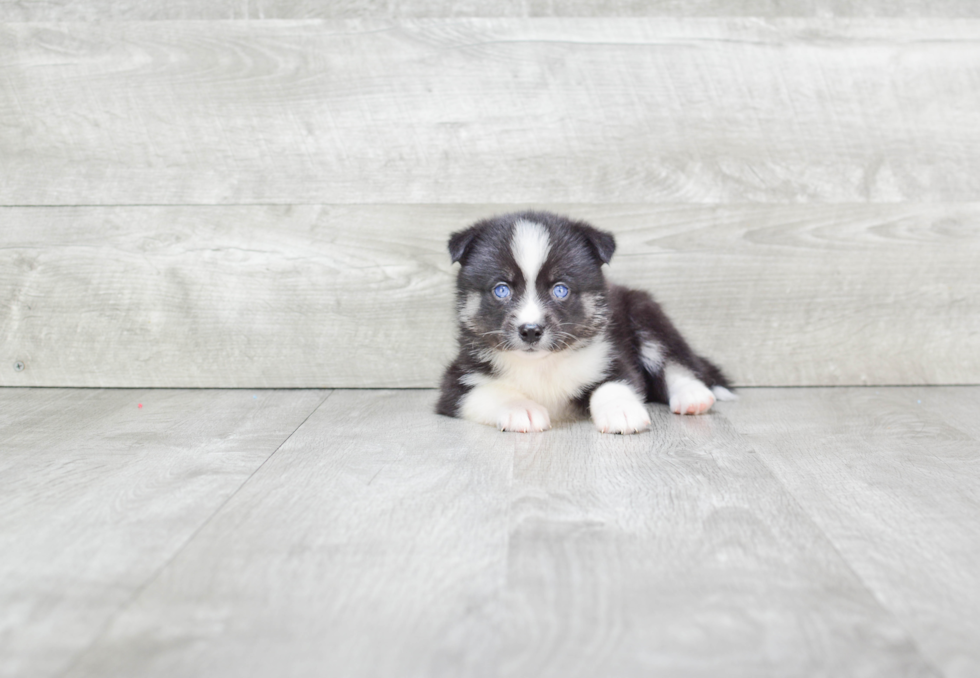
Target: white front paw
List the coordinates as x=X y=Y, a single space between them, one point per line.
x=691 y=397
x=524 y=416
x=617 y=409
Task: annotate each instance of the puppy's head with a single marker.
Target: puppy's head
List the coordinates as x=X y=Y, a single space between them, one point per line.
x=531 y=282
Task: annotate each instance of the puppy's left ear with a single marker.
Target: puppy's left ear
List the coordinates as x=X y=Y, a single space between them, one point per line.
x=602 y=242
x=460 y=241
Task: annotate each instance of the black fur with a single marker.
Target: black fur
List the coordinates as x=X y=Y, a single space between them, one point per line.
x=594 y=309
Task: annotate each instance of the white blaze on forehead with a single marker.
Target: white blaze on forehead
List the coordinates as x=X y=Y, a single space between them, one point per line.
x=530 y=247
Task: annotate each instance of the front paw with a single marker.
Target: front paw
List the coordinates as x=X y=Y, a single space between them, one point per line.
x=525 y=416
x=629 y=417
x=617 y=409
x=691 y=397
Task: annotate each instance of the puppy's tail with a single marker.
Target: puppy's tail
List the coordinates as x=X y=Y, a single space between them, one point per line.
x=715 y=379
x=712 y=376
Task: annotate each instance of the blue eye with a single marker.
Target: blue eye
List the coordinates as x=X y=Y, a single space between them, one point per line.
x=501 y=291
x=560 y=291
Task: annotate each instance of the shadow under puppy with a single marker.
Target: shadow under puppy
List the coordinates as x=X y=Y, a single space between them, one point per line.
x=543 y=336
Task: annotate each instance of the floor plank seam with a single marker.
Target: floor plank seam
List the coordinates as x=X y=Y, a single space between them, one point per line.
x=166 y=563
x=926 y=658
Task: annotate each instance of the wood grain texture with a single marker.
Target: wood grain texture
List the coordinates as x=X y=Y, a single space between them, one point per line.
x=371 y=547
x=490 y=111
x=361 y=296
x=97 y=494
x=891 y=476
x=435 y=547
x=100 y=10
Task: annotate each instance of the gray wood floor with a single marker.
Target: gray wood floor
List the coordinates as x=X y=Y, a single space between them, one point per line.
x=796 y=532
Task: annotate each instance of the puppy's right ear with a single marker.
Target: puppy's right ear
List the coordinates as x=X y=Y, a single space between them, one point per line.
x=460 y=241
x=602 y=242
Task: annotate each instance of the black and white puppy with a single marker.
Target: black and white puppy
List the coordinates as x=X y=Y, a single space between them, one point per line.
x=543 y=336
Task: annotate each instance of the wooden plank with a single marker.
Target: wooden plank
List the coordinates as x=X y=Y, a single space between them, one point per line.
x=490 y=111
x=828 y=295
x=383 y=531
x=361 y=296
x=97 y=494
x=430 y=546
x=891 y=476
x=100 y=10
x=303 y=296
x=680 y=554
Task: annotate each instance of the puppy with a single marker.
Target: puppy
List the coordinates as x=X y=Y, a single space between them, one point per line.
x=544 y=337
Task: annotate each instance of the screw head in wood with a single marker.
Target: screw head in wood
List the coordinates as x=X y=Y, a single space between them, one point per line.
x=19 y=366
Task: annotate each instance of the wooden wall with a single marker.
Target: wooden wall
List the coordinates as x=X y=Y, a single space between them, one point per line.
x=258 y=194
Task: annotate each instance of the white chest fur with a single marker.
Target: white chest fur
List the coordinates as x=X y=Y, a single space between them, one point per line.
x=552 y=379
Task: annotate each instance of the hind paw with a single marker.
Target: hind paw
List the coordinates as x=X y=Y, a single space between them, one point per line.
x=691 y=397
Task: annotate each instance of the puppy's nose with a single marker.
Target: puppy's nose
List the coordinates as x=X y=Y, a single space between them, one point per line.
x=530 y=332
